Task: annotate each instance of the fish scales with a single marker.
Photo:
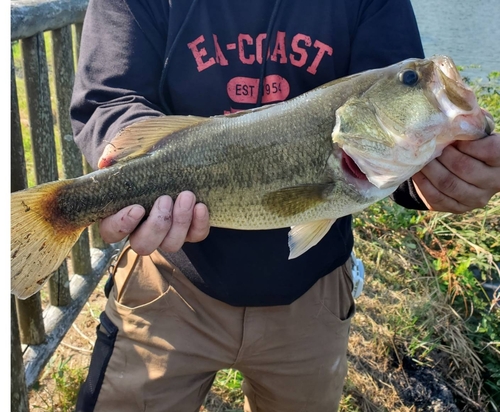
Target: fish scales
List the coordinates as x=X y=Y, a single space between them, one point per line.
x=222 y=163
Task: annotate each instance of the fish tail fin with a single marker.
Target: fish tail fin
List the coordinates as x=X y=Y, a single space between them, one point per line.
x=40 y=239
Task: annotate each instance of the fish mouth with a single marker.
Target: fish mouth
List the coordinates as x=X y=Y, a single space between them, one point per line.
x=452 y=93
x=447 y=66
x=458 y=101
x=349 y=166
x=358 y=180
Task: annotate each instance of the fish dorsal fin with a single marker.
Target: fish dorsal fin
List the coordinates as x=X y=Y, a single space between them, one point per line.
x=303 y=237
x=297 y=199
x=140 y=137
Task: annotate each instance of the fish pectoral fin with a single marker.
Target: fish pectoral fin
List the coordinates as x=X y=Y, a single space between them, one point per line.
x=297 y=199
x=139 y=138
x=303 y=237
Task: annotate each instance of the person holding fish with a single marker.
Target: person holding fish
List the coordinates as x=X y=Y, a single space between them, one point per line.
x=233 y=164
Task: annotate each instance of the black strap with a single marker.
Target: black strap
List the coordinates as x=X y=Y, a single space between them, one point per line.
x=89 y=392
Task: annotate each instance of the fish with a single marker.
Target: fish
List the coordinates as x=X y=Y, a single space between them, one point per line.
x=301 y=163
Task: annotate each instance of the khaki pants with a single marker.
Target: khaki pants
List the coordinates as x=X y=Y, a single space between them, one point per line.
x=161 y=342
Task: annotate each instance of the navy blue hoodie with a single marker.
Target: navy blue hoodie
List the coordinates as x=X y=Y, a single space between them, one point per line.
x=143 y=58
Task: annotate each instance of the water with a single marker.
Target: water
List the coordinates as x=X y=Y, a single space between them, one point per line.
x=466 y=30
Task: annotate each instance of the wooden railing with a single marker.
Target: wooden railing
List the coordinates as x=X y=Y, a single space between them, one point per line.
x=37 y=329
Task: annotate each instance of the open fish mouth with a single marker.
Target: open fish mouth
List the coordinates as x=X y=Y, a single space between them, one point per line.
x=377 y=175
x=456 y=98
x=349 y=166
x=458 y=101
x=358 y=180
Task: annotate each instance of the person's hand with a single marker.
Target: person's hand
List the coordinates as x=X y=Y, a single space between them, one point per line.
x=167 y=227
x=464 y=177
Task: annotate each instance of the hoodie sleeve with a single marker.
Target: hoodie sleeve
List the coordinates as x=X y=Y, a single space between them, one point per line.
x=119 y=68
x=406 y=195
x=386 y=33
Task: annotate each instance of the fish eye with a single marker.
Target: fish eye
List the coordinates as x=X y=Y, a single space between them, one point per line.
x=409 y=77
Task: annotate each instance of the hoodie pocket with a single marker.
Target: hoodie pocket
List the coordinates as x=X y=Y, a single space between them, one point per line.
x=335 y=300
x=140 y=281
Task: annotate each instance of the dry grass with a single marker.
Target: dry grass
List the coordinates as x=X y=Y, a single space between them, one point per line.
x=421 y=303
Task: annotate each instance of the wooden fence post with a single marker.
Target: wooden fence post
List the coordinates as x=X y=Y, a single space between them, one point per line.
x=18 y=181
x=18 y=390
x=64 y=73
x=30 y=310
x=42 y=138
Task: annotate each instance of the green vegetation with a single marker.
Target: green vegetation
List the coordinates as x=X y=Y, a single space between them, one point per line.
x=435 y=311
x=60 y=390
x=225 y=394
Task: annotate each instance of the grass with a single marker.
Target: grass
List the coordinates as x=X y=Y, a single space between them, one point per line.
x=426 y=314
x=60 y=390
x=225 y=395
x=435 y=310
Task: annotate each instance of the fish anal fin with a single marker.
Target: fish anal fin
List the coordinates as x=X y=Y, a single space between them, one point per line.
x=139 y=138
x=39 y=243
x=291 y=201
x=303 y=237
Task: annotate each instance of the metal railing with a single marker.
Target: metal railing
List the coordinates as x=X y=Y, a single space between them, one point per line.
x=37 y=331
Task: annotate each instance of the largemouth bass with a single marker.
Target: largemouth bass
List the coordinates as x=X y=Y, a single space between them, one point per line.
x=301 y=163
